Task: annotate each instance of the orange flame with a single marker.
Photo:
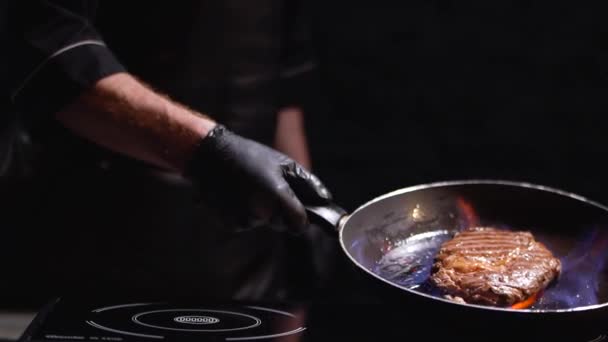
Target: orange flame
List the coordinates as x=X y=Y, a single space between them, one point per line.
x=528 y=302
x=468 y=211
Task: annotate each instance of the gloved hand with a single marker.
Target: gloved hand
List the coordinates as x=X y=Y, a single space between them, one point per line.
x=247 y=180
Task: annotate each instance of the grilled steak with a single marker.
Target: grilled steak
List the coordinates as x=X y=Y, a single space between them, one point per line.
x=493 y=267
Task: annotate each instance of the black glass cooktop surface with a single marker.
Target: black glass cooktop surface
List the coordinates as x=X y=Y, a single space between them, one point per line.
x=76 y=320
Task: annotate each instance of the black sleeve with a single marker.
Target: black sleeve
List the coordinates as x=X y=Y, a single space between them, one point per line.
x=56 y=54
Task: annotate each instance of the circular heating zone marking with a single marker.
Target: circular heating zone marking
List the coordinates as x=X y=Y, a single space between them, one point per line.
x=198 y=320
x=194 y=320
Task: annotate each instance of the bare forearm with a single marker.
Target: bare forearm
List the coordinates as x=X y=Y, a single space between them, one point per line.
x=122 y=114
x=290 y=136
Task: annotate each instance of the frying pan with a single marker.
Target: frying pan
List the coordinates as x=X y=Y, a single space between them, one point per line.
x=393 y=238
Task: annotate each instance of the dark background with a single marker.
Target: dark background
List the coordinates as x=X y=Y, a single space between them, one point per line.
x=432 y=90
x=422 y=91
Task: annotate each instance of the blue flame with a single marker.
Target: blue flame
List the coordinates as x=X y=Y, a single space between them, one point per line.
x=578 y=283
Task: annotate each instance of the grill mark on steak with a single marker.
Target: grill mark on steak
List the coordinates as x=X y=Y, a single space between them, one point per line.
x=485 y=265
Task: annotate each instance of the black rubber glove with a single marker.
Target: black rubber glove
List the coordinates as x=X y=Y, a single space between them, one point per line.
x=247 y=180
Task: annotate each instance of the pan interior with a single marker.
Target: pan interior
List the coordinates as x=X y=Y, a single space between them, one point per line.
x=396 y=237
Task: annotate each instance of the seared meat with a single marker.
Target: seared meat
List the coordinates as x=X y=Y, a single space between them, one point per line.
x=493 y=267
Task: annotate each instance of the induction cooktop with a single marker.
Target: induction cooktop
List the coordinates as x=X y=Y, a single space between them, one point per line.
x=70 y=320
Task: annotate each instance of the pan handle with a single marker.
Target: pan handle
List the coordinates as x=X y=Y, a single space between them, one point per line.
x=328 y=216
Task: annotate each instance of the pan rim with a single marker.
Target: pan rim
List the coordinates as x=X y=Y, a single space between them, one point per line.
x=431 y=185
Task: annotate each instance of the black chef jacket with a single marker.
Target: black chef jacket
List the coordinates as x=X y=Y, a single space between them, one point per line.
x=115 y=224
x=57 y=52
